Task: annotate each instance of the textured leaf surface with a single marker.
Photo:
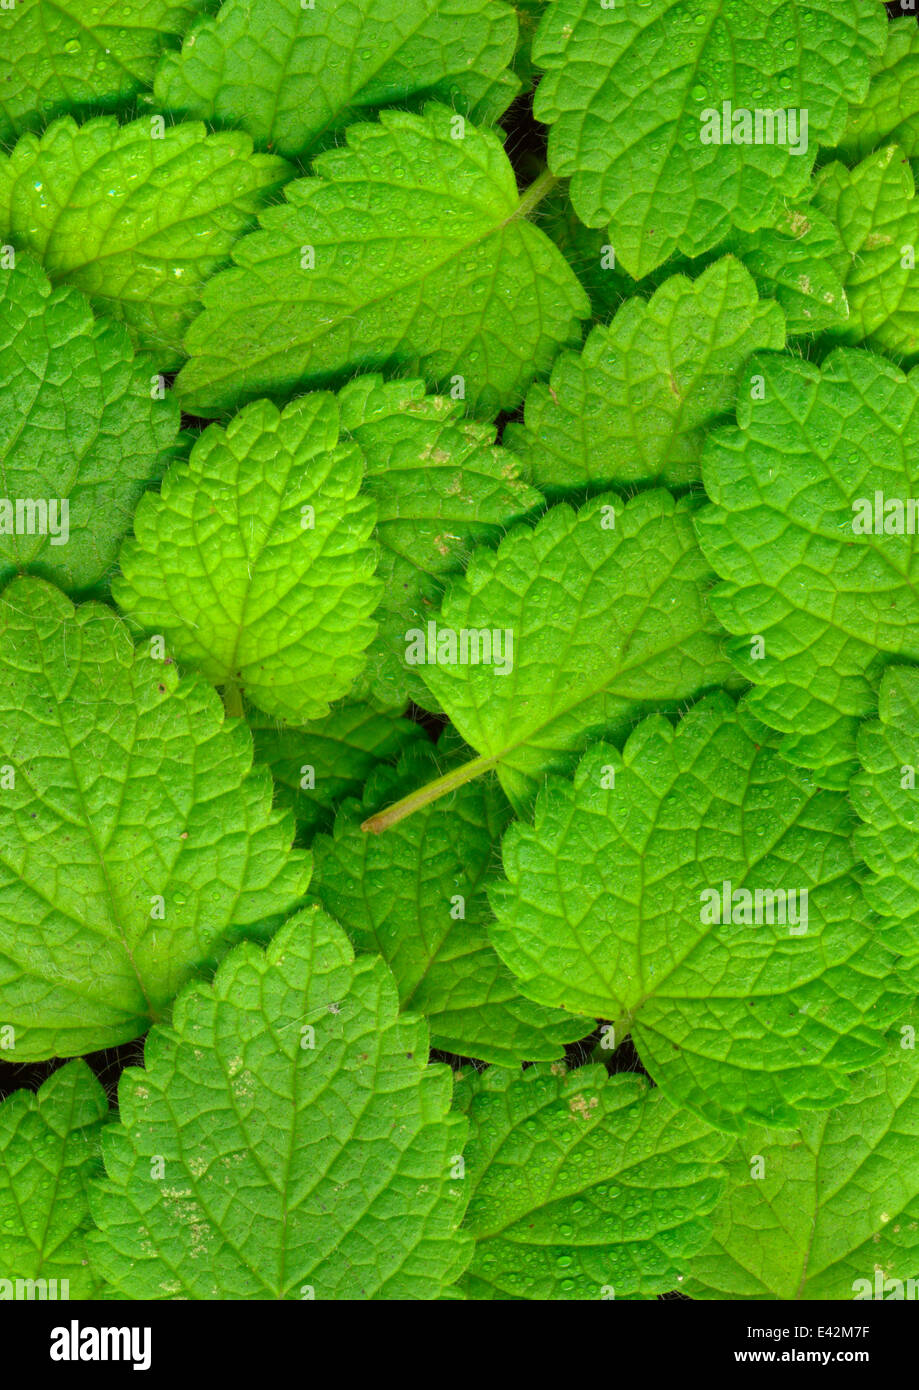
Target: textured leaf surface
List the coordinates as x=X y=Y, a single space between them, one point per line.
x=832 y=606
x=287 y=1166
x=605 y=624
x=889 y=114
x=885 y=797
x=256 y=562
x=135 y=838
x=635 y=404
x=604 y=909
x=424 y=264
x=440 y=487
x=795 y=262
x=60 y=55
x=49 y=1152
x=417 y=896
x=583 y=1186
x=838 y=1202
x=77 y=424
x=875 y=209
x=626 y=90
x=292 y=76
x=337 y=754
x=136 y=222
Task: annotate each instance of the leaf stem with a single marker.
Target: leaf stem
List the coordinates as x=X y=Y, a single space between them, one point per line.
x=233 y=700
x=384 y=820
x=535 y=194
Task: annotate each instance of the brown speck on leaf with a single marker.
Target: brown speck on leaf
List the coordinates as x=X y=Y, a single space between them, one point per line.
x=580 y=1105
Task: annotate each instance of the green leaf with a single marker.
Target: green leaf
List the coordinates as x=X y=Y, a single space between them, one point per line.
x=885 y=797
x=255 y=560
x=798 y=262
x=293 y=76
x=135 y=840
x=337 y=754
x=614 y=904
x=889 y=114
x=61 y=56
x=583 y=1186
x=81 y=432
x=49 y=1152
x=875 y=209
x=828 y=1211
x=639 y=162
x=410 y=253
x=135 y=219
x=440 y=487
x=794 y=262
x=635 y=404
x=593 y=618
x=817 y=605
x=308 y=1146
x=417 y=896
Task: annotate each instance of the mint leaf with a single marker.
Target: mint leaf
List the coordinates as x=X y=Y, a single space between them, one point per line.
x=884 y=796
x=49 y=1153
x=583 y=1186
x=71 y=55
x=293 y=75
x=875 y=209
x=651 y=82
x=795 y=262
x=82 y=432
x=634 y=405
x=440 y=487
x=593 y=618
x=827 y=1211
x=316 y=765
x=417 y=896
x=135 y=839
x=307 y=1145
x=889 y=114
x=818 y=598
x=615 y=904
x=135 y=216
x=410 y=253
x=255 y=560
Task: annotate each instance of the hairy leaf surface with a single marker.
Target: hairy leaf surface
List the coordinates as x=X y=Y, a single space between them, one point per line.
x=49 y=1153
x=410 y=252
x=632 y=897
x=816 y=604
x=294 y=75
x=135 y=839
x=135 y=220
x=827 y=1211
x=635 y=404
x=630 y=90
x=607 y=615
x=417 y=896
x=885 y=797
x=583 y=1186
x=80 y=429
x=255 y=559
x=60 y=56
x=440 y=487
x=308 y=1146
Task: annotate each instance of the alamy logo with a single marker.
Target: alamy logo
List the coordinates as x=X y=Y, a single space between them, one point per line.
x=885 y=1289
x=885 y=516
x=762 y=126
x=470 y=646
x=76 y=1343
x=36 y=516
x=759 y=907
x=26 y=1290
